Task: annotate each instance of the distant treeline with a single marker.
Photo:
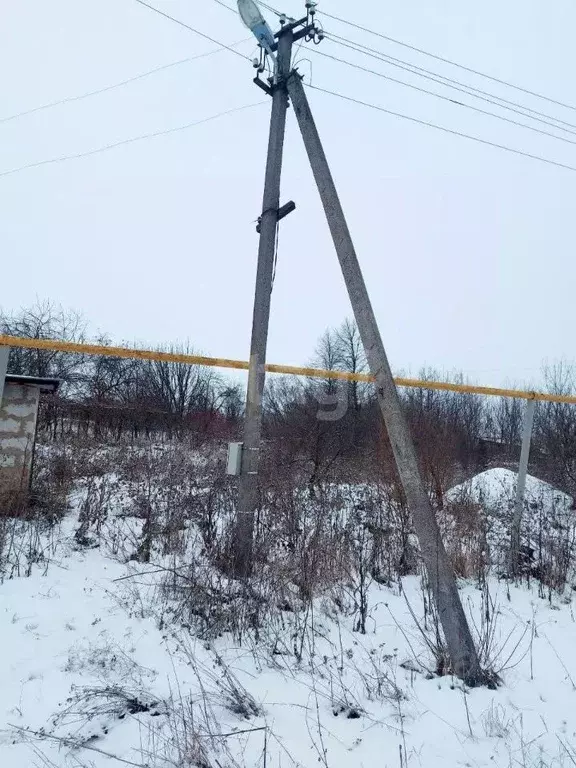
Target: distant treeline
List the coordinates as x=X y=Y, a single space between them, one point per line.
x=317 y=430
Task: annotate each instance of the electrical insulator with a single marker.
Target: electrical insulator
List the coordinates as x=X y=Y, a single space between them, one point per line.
x=255 y=63
x=283 y=19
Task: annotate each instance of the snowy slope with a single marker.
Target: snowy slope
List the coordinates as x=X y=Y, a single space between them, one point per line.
x=82 y=652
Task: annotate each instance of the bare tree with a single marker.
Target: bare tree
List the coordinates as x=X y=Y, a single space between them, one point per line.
x=505 y=424
x=447 y=429
x=555 y=428
x=45 y=320
x=231 y=401
x=327 y=357
x=110 y=378
x=352 y=359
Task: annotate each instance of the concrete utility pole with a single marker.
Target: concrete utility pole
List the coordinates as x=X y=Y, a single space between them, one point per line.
x=515 y=538
x=248 y=490
x=442 y=581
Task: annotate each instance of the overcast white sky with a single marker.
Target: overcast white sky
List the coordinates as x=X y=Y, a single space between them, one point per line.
x=467 y=251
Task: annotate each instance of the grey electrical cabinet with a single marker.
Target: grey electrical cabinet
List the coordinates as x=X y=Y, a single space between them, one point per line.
x=234 y=458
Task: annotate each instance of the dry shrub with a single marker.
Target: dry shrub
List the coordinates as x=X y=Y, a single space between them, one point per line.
x=15 y=503
x=30 y=516
x=26 y=544
x=463 y=529
x=94 y=510
x=47 y=495
x=200 y=598
x=320 y=559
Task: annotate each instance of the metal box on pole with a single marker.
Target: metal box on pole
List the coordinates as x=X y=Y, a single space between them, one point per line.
x=234 y=466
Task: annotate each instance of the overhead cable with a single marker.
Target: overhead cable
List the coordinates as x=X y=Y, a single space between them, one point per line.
x=445 y=98
x=448 y=61
x=132 y=140
x=520 y=109
x=192 y=29
x=443 y=128
x=105 y=89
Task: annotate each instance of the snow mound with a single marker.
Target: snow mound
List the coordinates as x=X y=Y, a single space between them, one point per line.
x=496 y=489
x=478 y=518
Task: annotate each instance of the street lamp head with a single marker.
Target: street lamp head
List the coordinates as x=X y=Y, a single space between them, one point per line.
x=257 y=24
x=250 y=13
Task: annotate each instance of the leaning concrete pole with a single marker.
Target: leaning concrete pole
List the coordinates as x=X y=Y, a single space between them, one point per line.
x=443 y=583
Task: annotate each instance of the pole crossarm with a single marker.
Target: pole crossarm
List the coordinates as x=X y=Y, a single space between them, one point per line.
x=71 y=347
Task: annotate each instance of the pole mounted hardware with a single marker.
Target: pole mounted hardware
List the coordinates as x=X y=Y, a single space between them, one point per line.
x=282 y=212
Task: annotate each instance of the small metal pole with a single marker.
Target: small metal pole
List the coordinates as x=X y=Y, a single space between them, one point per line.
x=521 y=484
x=4 y=355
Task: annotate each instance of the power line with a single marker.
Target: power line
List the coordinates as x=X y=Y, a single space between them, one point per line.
x=192 y=29
x=263 y=5
x=269 y=8
x=412 y=67
x=448 y=61
x=226 y=6
x=457 y=85
x=443 y=128
x=132 y=140
x=120 y=84
x=445 y=98
x=494 y=99
x=438 y=75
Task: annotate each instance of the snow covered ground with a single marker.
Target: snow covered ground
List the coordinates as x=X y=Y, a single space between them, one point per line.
x=93 y=674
